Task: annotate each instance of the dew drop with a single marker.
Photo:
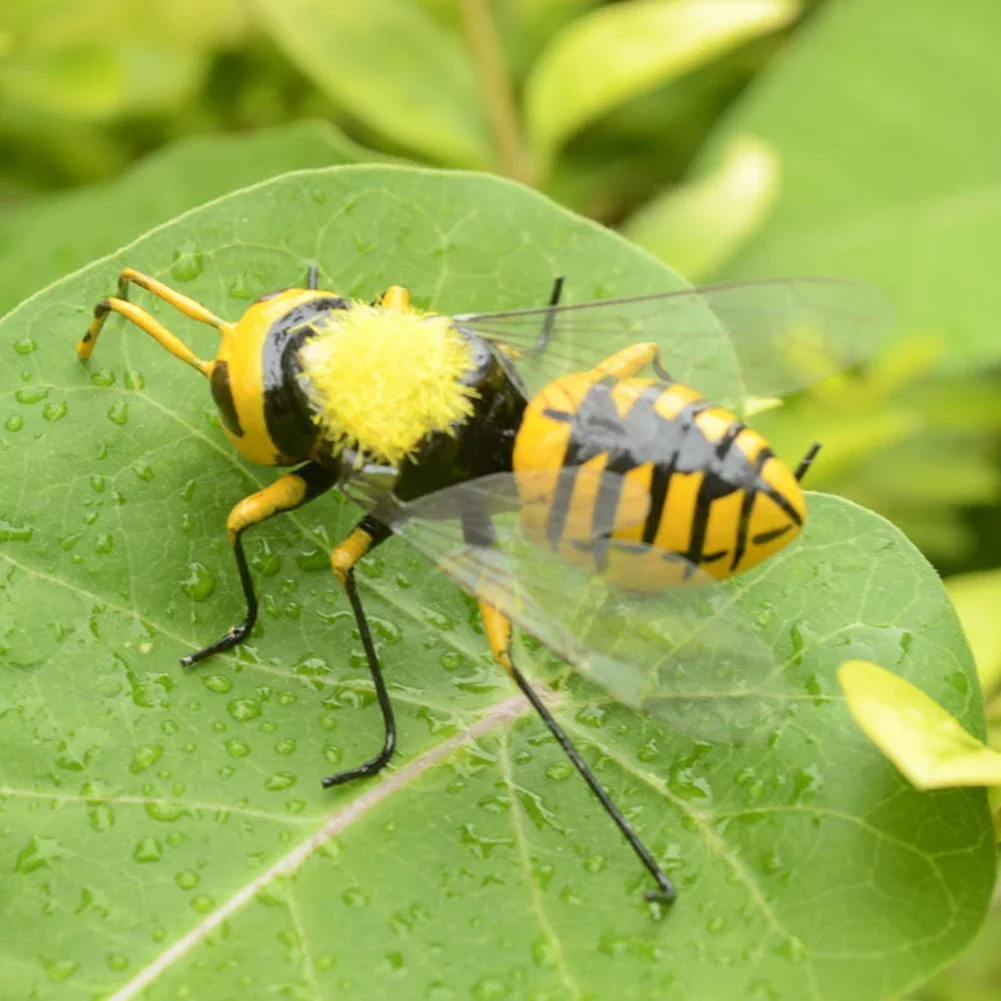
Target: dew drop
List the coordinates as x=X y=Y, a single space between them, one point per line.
x=559 y=771
x=105 y=543
x=148 y=850
x=166 y=813
x=53 y=412
x=188 y=264
x=203 y=904
x=97 y=483
x=143 y=470
x=14 y=423
x=134 y=380
x=116 y=961
x=243 y=710
x=200 y=583
x=103 y=377
x=237 y=749
x=59 y=970
x=38 y=853
x=14 y=533
x=31 y=394
x=280 y=780
x=240 y=287
x=118 y=412
x=187 y=879
x=490 y=989
x=285 y=746
x=145 y=757
x=218 y=683
x=592 y=716
x=24 y=345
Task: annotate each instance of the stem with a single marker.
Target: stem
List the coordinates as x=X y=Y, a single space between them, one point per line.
x=497 y=88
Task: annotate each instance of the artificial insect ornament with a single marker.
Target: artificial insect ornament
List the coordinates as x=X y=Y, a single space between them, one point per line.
x=525 y=454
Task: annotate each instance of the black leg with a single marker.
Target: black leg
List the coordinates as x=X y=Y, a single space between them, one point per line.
x=380 y=761
x=287 y=493
x=807 y=461
x=239 y=633
x=665 y=893
x=550 y=318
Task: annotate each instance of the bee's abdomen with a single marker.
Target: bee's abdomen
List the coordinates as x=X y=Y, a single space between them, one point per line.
x=692 y=481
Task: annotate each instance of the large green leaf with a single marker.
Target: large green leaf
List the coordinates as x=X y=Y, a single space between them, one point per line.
x=54 y=235
x=166 y=830
x=393 y=67
x=884 y=117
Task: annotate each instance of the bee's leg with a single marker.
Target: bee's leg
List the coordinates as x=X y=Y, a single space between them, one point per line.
x=367 y=534
x=120 y=304
x=807 y=461
x=547 y=323
x=631 y=359
x=395 y=297
x=498 y=630
x=313 y=276
x=287 y=493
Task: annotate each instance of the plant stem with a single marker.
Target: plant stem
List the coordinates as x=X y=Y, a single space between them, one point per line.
x=497 y=88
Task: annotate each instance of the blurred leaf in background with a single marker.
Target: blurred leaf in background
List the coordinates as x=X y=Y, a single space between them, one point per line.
x=49 y=237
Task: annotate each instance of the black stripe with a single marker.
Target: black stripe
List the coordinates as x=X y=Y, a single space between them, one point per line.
x=287 y=409
x=222 y=393
x=751 y=491
x=682 y=428
x=776 y=533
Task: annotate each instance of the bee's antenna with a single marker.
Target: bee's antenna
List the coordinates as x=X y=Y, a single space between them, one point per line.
x=547 y=323
x=807 y=461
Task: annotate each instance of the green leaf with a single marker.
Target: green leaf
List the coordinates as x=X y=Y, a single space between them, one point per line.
x=98 y=59
x=699 y=226
x=625 y=49
x=884 y=117
x=388 y=63
x=54 y=235
x=922 y=739
x=165 y=832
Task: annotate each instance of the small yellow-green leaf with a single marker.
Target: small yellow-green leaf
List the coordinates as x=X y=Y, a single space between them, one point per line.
x=977 y=597
x=699 y=226
x=625 y=49
x=392 y=66
x=924 y=741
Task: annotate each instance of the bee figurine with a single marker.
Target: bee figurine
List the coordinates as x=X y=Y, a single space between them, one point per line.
x=526 y=455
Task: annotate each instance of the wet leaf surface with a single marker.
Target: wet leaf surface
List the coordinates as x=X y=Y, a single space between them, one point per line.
x=164 y=832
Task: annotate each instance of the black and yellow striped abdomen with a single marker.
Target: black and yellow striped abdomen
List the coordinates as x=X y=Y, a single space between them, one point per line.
x=692 y=481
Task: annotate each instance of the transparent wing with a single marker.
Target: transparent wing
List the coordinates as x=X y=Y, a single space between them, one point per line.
x=687 y=655
x=764 y=338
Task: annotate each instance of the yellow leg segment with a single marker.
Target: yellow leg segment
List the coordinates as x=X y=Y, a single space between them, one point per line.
x=349 y=552
x=629 y=361
x=120 y=304
x=498 y=629
x=395 y=297
x=287 y=492
x=143 y=320
x=180 y=302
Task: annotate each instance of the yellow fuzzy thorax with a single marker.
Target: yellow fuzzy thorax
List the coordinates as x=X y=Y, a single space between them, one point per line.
x=382 y=379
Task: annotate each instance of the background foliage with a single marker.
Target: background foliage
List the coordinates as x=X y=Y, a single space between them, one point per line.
x=731 y=138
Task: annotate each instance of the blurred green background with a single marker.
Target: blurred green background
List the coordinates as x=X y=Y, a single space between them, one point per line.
x=731 y=138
